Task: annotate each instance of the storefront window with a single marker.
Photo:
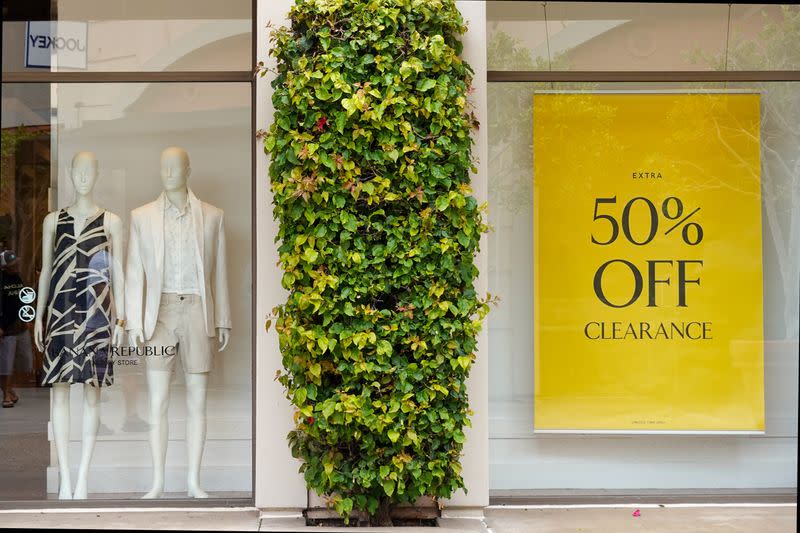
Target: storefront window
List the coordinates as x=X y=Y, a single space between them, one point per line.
x=524 y=459
x=116 y=148
x=521 y=459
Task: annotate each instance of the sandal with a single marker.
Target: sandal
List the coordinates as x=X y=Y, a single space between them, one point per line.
x=14 y=397
x=8 y=403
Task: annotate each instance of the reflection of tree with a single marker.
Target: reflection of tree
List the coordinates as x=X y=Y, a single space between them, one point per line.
x=690 y=120
x=11 y=137
x=776 y=48
x=510 y=134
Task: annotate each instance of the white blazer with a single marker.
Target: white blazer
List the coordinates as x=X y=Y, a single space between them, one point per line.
x=146 y=265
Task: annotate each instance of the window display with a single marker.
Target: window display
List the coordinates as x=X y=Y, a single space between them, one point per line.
x=160 y=412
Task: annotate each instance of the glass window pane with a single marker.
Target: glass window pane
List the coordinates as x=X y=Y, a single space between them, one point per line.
x=764 y=37
x=25 y=177
x=523 y=460
x=604 y=35
x=96 y=36
x=125 y=128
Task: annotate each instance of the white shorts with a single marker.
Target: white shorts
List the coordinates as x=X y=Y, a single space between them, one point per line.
x=180 y=331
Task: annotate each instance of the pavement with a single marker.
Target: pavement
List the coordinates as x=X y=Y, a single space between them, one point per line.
x=668 y=519
x=651 y=518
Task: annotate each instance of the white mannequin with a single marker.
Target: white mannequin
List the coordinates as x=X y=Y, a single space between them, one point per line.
x=175 y=171
x=83 y=173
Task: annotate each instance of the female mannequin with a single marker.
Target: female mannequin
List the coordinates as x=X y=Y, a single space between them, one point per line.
x=80 y=270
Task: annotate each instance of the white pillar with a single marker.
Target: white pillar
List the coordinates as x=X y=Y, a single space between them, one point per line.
x=280 y=490
x=475 y=460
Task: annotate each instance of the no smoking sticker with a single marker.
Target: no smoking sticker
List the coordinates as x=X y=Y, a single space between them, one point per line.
x=27 y=313
x=27 y=295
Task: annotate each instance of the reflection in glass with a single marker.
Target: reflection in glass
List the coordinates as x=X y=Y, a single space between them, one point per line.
x=89 y=35
x=24 y=181
x=127 y=126
x=521 y=460
x=604 y=36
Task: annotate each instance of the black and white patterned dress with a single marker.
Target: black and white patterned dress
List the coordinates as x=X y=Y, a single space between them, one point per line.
x=78 y=333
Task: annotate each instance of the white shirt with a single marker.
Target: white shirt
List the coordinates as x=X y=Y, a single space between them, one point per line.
x=180 y=250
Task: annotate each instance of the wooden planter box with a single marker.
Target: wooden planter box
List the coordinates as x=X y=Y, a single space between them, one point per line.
x=423 y=512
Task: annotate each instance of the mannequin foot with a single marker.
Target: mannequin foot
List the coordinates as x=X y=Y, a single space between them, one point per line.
x=81 y=490
x=197 y=492
x=64 y=492
x=155 y=492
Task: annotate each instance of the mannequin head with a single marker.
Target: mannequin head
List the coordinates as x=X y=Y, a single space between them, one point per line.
x=84 y=172
x=175 y=168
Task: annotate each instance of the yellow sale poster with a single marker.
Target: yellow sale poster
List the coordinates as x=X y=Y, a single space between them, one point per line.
x=647 y=263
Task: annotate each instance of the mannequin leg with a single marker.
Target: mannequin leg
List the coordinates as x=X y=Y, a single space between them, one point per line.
x=158 y=389
x=196 y=387
x=60 y=416
x=130 y=393
x=91 y=421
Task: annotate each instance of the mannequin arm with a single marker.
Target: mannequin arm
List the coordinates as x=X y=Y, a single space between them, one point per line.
x=136 y=337
x=48 y=236
x=222 y=311
x=223 y=336
x=117 y=275
x=134 y=282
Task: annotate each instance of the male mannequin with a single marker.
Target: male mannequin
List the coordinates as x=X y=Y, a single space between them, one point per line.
x=74 y=295
x=177 y=248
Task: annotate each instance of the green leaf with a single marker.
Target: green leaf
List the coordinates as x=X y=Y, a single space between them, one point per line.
x=384 y=347
x=322 y=93
x=426 y=84
x=388 y=486
x=300 y=396
x=393 y=435
x=310 y=255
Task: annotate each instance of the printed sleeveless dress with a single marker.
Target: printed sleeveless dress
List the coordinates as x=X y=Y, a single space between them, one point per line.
x=78 y=332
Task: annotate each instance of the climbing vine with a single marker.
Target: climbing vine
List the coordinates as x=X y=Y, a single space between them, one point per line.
x=378 y=228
